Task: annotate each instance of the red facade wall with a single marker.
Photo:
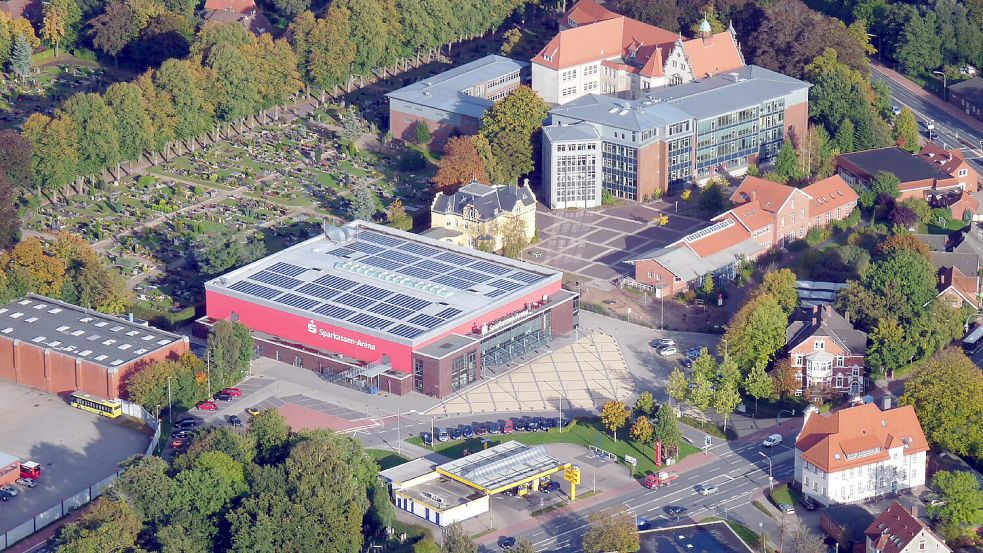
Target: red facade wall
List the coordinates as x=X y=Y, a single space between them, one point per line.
x=652 y=169
x=296 y=328
x=648 y=271
x=57 y=373
x=796 y=121
x=965 y=104
x=403 y=126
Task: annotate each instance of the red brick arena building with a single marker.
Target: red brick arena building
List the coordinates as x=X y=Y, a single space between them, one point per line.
x=391 y=310
x=62 y=348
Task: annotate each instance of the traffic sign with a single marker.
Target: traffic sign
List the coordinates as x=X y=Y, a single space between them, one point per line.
x=707 y=440
x=631 y=460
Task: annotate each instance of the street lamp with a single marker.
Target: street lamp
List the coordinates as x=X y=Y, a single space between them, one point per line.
x=771 y=481
x=945 y=89
x=779 y=417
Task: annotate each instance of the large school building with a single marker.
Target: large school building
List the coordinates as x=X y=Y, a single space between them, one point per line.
x=391 y=310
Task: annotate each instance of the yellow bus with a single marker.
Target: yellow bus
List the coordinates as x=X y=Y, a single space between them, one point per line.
x=111 y=408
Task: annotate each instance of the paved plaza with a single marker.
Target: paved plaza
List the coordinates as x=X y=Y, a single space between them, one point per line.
x=595 y=243
x=584 y=375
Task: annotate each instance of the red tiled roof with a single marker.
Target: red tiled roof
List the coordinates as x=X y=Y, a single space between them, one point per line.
x=829 y=194
x=967 y=286
x=751 y=215
x=719 y=240
x=586 y=12
x=715 y=54
x=827 y=439
x=239 y=6
x=770 y=195
x=894 y=529
x=947 y=160
x=620 y=36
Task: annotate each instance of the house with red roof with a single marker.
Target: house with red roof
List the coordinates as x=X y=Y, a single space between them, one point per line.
x=852 y=454
x=776 y=214
x=767 y=214
x=899 y=530
x=827 y=352
x=243 y=12
x=598 y=51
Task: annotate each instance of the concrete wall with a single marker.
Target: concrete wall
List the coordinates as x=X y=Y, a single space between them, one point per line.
x=545 y=81
x=444 y=517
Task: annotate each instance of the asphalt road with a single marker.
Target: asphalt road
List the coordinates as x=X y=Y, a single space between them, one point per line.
x=951 y=130
x=738 y=472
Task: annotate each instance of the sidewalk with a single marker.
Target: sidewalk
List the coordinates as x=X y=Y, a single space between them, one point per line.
x=927 y=96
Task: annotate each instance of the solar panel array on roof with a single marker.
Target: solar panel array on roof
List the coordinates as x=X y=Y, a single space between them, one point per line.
x=251 y=289
x=287 y=269
x=268 y=277
x=371 y=298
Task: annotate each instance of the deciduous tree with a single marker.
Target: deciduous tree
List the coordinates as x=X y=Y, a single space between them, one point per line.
x=133 y=123
x=396 y=216
x=457 y=540
x=885 y=183
x=677 y=388
x=609 y=531
x=641 y=430
x=53 y=25
x=947 y=391
x=115 y=28
x=725 y=400
x=906 y=130
x=510 y=126
x=324 y=46
x=69 y=20
x=107 y=525
x=756 y=332
x=781 y=285
x=460 y=165
x=784 y=378
x=146 y=486
x=271 y=432
x=645 y=404
x=961 y=509
x=758 y=384
x=667 y=431
x=96 y=131
x=614 y=415
x=9 y=218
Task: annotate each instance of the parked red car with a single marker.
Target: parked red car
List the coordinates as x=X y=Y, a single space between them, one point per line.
x=508 y=427
x=234 y=392
x=207 y=406
x=177 y=443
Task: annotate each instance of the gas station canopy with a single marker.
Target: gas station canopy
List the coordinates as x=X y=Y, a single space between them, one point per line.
x=502 y=467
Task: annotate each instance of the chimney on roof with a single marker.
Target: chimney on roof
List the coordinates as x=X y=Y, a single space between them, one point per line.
x=913 y=509
x=525 y=182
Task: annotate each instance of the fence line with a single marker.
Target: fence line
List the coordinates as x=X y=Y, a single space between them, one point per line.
x=83 y=496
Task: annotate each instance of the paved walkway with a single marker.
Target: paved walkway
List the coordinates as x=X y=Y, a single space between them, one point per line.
x=582 y=375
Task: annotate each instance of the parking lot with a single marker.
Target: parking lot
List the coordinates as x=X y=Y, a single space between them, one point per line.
x=594 y=244
x=710 y=538
x=75 y=448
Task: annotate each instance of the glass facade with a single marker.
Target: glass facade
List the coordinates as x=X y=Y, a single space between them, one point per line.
x=463 y=370
x=576 y=173
x=502 y=347
x=620 y=176
x=735 y=136
x=680 y=162
x=418 y=375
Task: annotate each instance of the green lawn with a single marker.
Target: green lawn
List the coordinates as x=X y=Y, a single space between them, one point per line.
x=386 y=459
x=582 y=433
x=785 y=494
x=749 y=536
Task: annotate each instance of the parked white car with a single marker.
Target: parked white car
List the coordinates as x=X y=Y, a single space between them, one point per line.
x=772 y=441
x=667 y=351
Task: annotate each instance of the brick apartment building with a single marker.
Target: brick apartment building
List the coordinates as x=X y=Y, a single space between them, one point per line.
x=937 y=175
x=671 y=136
x=856 y=453
x=968 y=96
x=453 y=102
x=62 y=348
x=826 y=352
x=767 y=215
x=598 y=51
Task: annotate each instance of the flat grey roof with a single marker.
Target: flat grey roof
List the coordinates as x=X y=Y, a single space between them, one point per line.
x=442 y=493
x=906 y=166
x=72 y=330
x=723 y=93
x=446 y=346
x=577 y=131
x=502 y=465
x=407 y=471
x=444 y=91
x=384 y=282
